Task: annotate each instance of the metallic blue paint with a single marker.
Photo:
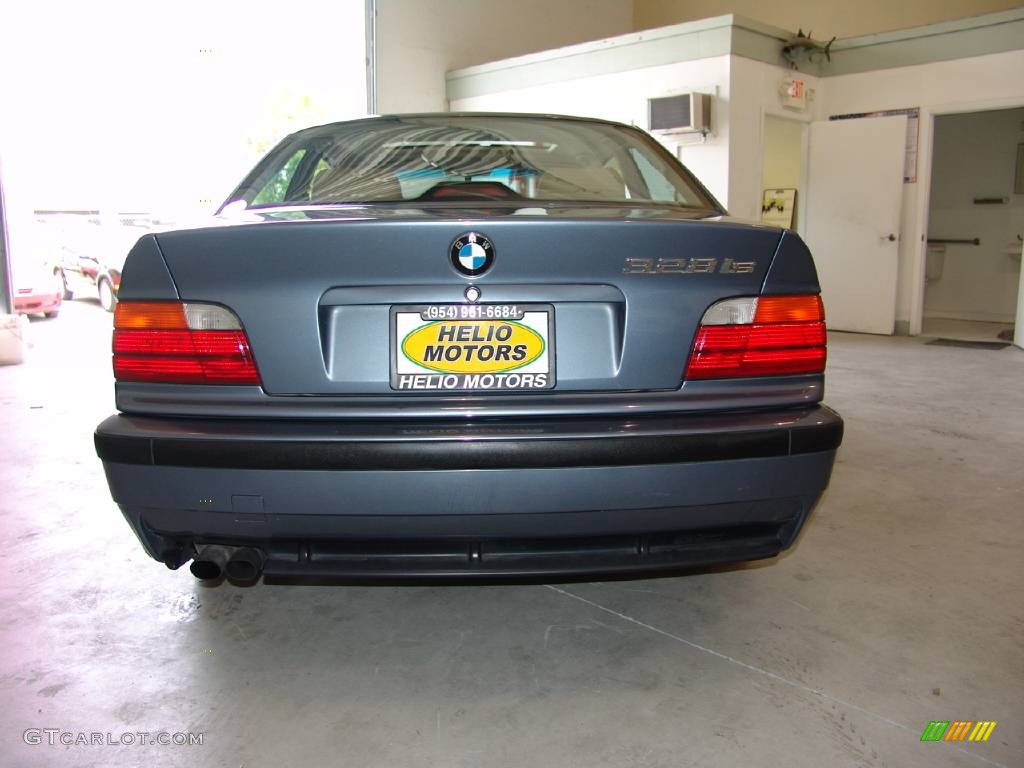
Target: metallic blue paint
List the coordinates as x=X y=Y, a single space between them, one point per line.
x=313 y=287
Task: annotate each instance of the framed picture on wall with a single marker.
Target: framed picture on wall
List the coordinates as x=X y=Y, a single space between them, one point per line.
x=778 y=207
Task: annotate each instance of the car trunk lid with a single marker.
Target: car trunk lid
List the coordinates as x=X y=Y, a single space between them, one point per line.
x=315 y=288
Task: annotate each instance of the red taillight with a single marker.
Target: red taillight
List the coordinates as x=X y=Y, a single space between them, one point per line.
x=179 y=343
x=781 y=335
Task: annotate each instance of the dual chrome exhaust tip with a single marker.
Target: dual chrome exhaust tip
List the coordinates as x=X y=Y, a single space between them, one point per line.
x=241 y=566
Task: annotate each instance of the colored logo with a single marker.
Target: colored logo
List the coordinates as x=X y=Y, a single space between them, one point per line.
x=478 y=346
x=958 y=730
x=471 y=254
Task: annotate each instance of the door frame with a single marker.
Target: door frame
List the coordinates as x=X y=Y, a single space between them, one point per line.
x=919 y=234
x=805 y=119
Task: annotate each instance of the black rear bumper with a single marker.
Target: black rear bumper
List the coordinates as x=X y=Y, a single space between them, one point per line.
x=559 y=499
x=553 y=444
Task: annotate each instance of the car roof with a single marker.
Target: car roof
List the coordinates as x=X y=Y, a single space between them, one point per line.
x=502 y=115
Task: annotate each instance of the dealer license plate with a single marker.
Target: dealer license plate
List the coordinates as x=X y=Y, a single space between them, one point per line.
x=472 y=347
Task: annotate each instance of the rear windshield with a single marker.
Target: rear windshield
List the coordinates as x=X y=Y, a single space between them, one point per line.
x=470 y=158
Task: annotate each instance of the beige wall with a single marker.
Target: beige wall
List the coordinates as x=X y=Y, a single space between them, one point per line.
x=418 y=41
x=825 y=18
x=783 y=153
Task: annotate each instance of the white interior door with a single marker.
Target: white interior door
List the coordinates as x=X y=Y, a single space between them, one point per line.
x=854 y=199
x=1018 y=334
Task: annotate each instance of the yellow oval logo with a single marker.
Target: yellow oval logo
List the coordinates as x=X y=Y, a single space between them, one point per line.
x=473 y=346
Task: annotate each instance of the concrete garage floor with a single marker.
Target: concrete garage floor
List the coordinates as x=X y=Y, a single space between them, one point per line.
x=901 y=604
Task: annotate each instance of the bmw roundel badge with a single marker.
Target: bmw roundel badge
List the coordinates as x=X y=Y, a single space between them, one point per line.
x=471 y=254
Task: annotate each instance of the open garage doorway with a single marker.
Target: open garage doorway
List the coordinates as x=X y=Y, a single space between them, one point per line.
x=975 y=225
x=111 y=131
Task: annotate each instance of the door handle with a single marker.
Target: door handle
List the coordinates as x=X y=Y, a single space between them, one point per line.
x=891 y=237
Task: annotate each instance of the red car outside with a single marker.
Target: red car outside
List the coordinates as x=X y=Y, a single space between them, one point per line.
x=37 y=291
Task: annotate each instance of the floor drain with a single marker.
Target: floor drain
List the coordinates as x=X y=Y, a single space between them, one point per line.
x=969 y=344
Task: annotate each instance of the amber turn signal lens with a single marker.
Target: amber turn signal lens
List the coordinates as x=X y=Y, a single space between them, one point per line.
x=151 y=315
x=789 y=309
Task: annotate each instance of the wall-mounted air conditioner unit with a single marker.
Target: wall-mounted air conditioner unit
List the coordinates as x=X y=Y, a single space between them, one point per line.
x=685 y=113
